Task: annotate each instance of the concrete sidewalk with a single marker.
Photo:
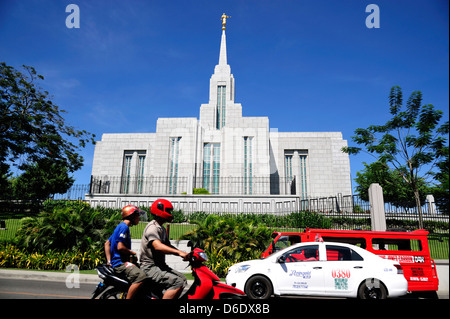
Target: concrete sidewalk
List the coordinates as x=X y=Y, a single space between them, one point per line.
x=442 y=272
x=45 y=275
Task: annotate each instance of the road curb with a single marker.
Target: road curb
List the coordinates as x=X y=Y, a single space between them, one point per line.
x=52 y=276
x=46 y=275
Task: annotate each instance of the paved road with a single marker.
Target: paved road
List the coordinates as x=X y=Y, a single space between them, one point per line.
x=42 y=289
x=46 y=289
x=20 y=284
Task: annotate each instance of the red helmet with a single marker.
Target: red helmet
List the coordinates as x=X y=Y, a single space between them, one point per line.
x=162 y=208
x=128 y=210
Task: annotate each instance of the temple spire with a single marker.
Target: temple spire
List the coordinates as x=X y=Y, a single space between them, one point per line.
x=223 y=50
x=223 y=43
x=221 y=109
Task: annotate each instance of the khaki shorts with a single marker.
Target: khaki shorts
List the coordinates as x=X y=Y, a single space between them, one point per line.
x=131 y=272
x=166 y=277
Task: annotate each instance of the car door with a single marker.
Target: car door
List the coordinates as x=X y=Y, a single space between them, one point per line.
x=299 y=271
x=343 y=270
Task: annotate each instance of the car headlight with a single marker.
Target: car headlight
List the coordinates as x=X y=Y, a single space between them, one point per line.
x=242 y=268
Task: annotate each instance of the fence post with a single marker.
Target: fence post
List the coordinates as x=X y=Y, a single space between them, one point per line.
x=377 y=213
x=90 y=185
x=190 y=184
x=431 y=205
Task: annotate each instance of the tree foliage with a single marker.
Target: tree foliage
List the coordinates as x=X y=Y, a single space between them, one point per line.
x=395 y=190
x=33 y=132
x=40 y=180
x=411 y=144
x=72 y=227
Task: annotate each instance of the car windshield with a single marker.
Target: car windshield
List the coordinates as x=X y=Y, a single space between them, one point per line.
x=303 y=253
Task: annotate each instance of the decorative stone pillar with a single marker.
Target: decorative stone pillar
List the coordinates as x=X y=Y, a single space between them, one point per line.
x=377 y=213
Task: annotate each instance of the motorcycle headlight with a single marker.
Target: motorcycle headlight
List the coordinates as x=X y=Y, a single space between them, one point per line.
x=203 y=256
x=242 y=268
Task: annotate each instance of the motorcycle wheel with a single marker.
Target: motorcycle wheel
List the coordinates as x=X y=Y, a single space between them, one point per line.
x=113 y=293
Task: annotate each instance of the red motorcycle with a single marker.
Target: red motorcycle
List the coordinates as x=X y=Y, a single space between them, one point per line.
x=206 y=284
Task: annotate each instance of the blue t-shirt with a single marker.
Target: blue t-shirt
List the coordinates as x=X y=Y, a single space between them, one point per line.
x=120 y=234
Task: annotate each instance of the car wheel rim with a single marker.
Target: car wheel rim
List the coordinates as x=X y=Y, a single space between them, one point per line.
x=258 y=289
x=372 y=293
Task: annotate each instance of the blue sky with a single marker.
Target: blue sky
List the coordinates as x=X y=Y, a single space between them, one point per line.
x=308 y=65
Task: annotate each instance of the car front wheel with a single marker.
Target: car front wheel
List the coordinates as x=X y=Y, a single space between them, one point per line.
x=258 y=287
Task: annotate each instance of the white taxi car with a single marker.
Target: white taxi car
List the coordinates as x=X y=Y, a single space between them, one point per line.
x=319 y=269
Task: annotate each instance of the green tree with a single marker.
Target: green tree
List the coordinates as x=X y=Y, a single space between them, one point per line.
x=395 y=190
x=32 y=129
x=410 y=144
x=40 y=180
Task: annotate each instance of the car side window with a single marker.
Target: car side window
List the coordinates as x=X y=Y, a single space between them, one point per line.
x=339 y=253
x=301 y=254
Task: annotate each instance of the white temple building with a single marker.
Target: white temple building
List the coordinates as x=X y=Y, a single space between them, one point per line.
x=222 y=152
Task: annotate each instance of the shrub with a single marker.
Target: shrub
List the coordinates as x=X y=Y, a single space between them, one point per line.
x=308 y=219
x=74 y=226
x=50 y=205
x=197 y=217
x=293 y=220
x=200 y=191
x=12 y=256
x=178 y=216
x=228 y=241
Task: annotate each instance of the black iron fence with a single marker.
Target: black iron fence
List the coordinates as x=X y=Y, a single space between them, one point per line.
x=138 y=185
x=76 y=192
x=174 y=185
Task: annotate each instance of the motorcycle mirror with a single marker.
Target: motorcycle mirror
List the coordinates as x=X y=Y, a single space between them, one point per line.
x=190 y=244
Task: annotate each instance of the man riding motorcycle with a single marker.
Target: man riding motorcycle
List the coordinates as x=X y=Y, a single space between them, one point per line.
x=118 y=250
x=155 y=244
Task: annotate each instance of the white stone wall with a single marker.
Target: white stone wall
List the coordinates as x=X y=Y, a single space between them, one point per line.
x=271 y=204
x=328 y=169
x=166 y=128
x=109 y=152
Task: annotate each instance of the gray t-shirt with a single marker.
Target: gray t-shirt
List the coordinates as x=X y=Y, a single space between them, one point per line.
x=149 y=256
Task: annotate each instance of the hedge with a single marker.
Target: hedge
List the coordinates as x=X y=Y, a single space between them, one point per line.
x=11 y=256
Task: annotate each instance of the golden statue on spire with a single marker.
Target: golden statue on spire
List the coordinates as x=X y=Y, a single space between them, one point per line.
x=224 y=20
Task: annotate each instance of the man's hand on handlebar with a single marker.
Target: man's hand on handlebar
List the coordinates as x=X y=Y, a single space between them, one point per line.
x=183 y=255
